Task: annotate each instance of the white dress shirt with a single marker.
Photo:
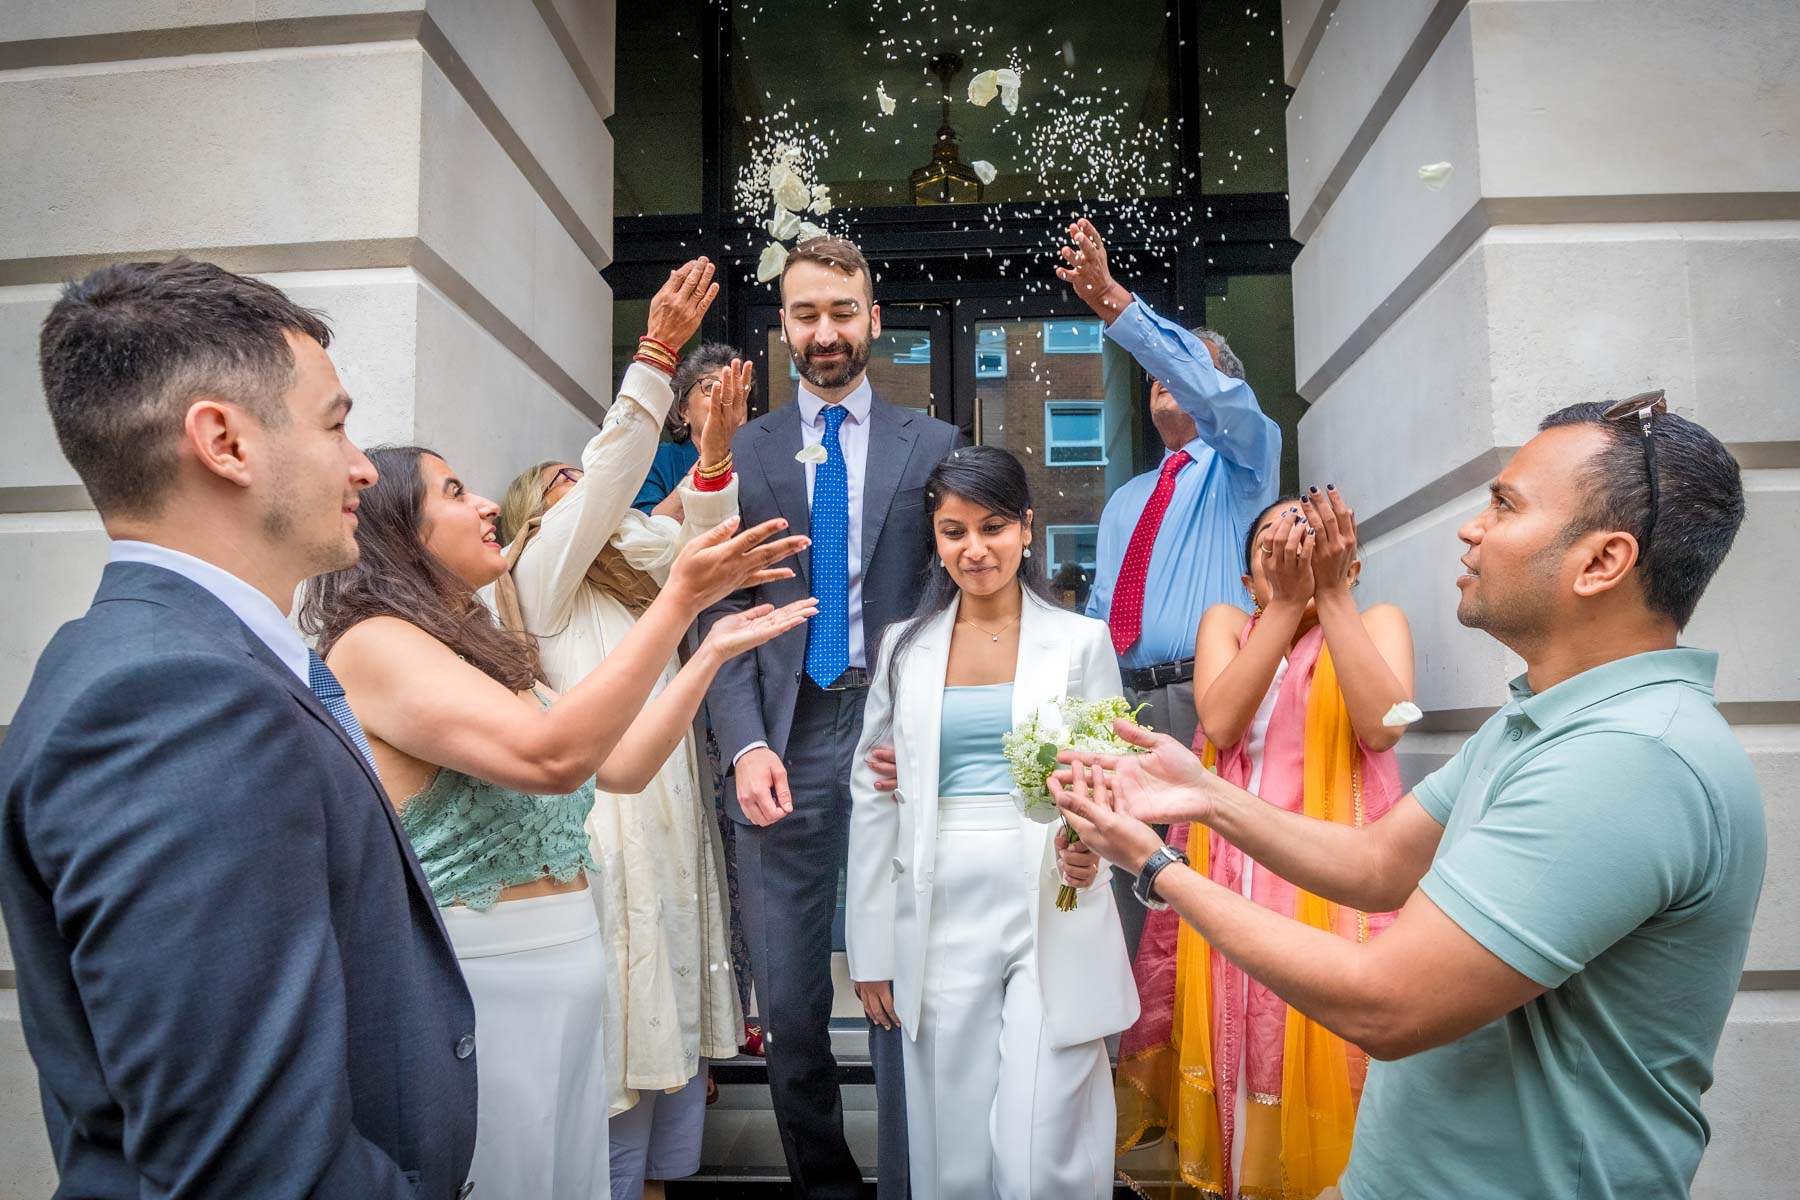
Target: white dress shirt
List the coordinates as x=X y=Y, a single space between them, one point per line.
x=249 y=605
x=853 y=440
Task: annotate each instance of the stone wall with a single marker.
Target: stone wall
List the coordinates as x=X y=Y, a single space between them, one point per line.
x=1623 y=213
x=433 y=174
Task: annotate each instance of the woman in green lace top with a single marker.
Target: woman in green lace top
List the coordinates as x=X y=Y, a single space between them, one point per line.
x=493 y=773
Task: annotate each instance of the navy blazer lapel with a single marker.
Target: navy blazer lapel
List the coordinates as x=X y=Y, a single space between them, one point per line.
x=781 y=440
x=891 y=441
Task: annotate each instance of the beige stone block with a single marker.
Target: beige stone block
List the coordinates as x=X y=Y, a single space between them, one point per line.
x=51 y=566
x=29 y=456
x=1302 y=25
x=26 y=1168
x=540 y=103
x=1775 y=751
x=243 y=149
x=1387 y=235
x=1366 y=60
x=374 y=344
x=592 y=28
x=32 y=19
x=1744 y=614
x=1643 y=98
x=1750 y=1105
x=1743 y=293
x=477 y=404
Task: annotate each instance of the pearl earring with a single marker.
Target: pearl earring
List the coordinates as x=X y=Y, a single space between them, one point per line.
x=1028 y=552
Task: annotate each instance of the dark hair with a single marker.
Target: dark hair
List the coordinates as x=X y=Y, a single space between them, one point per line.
x=836 y=252
x=709 y=357
x=396 y=576
x=1701 y=508
x=1256 y=527
x=995 y=480
x=125 y=351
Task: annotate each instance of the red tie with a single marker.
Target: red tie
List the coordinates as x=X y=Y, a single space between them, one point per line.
x=1127 y=616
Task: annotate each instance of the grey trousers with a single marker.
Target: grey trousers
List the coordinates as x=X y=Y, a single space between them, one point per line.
x=788 y=886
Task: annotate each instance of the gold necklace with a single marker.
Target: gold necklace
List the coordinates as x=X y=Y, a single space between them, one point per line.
x=992 y=636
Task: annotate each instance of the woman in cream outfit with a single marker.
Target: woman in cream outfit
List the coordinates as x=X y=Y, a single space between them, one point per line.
x=587 y=565
x=952 y=924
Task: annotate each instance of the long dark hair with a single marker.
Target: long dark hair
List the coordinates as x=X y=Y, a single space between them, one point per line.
x=993 y=479
x=396 y=576
x=1256 y=526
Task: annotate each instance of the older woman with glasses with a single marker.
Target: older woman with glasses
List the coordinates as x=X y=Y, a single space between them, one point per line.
x=584 y=565
x=696 y=380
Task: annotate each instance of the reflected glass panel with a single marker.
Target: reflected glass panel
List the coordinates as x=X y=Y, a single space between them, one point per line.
x=1070 y=406
x=1094 y=102
x=1256 y=315
x=656 y=115
x=1243 y=102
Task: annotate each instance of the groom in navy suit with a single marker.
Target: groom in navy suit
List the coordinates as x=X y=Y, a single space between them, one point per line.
x=851 y=471
x=231 y=973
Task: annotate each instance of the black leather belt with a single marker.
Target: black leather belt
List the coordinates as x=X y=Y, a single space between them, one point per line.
x=1148 y=679
x=850 y=680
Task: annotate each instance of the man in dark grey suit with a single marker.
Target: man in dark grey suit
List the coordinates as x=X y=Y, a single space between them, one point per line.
x=851 y=471
x=231 y=973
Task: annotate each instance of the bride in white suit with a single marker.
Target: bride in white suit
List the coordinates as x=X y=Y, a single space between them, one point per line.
x=952 y=925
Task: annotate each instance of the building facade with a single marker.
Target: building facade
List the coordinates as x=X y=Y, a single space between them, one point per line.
x=1621 y=211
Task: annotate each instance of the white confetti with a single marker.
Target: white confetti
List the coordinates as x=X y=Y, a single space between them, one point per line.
x=984 y=171
x=774 y=257
x=814 y=453
x=1435 y=175
x=1402 y=714
x=886 y=101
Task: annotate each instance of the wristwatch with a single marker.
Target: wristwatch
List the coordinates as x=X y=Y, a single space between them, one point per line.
x=1145 y=887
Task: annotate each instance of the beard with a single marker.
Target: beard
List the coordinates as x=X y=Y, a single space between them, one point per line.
x=837 y=374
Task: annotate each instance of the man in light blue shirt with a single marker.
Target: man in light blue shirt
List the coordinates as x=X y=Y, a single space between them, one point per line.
x=1166 y=556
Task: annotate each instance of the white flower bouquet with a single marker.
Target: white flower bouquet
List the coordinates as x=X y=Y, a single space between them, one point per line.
x=1031 y=749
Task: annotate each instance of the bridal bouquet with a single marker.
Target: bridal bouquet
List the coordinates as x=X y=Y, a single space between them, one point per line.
x=1031 y=749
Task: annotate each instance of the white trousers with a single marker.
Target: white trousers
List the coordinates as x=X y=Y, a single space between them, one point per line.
x=992 y=1109
x=536 y=970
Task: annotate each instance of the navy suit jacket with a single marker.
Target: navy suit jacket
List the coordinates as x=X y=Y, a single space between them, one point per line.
x=231 y=973
x=752 y=697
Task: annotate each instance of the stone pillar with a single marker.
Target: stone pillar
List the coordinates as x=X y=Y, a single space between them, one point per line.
x=1622 y=213
x=433 y=174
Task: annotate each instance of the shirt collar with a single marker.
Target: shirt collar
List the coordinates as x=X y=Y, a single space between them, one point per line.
x=1194 y=449
x=1597 y=684
x=856 y=405
x=249 y=605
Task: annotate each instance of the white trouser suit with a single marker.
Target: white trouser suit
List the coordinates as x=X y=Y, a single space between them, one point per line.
x=1005 y=1001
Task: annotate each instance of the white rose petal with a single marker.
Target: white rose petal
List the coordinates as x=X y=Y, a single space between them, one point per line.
x=1008 y=80
x=821 y=202
x=983 y=89
x=808 y=230
x=984 y=171
x=790 y=152
x=814 y=453
x=783 y=225
x=886 y=101
x=1435 y=175
x=789 y=189
x=774 y=257
x=1403 y=713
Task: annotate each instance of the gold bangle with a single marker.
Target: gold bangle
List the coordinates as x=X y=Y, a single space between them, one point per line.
x=723 y=468
x=656 y=356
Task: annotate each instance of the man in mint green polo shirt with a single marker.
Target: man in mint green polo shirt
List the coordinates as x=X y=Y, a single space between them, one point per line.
x=1576 y=886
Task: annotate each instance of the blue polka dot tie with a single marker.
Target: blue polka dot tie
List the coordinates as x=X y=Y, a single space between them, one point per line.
x=828 y=638
x=330 y=692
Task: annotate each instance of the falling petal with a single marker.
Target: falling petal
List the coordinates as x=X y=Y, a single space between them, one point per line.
x=814 y=453
x=1435 y=175
x=821 y=201
x=1008 y=81
x=783 y=225
x=984 y=170
x=886 y=101
x=774 y=257
x=1403 y=713
x=808 y=231
x=789 y=189
x=983 y=89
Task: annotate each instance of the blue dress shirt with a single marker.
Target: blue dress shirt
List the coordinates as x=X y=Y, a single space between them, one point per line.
x=1197 y=561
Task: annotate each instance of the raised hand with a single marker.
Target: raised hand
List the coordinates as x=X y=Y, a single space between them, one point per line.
x=1163 y=783
x=731 y=635
x=718 y=412
x=1085 y=269
x=1334 y=546
x=677 y=307
x=1286 y=547
x=716 y=563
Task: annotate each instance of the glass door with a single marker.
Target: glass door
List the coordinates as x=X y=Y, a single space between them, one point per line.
x=909 y=364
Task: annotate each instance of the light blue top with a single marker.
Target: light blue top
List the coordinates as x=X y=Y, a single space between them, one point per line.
x=1198 y=557
x=474 y=838
x=970 y=762
x=1605 y=839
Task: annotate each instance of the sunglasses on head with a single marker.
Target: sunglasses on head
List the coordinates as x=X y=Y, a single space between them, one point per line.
x=1643 y=407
